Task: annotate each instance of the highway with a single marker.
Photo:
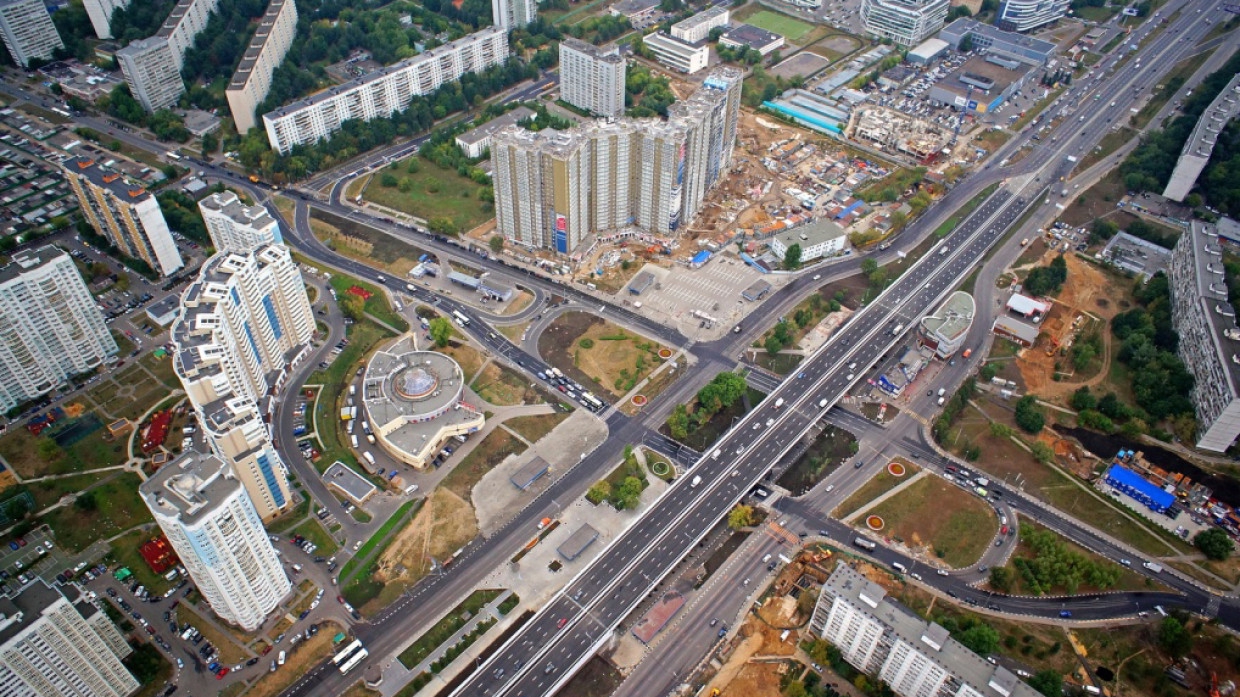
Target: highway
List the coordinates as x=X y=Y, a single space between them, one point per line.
x=566 y=632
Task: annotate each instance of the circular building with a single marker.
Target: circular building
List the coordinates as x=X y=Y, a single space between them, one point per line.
x=413 y=400
x=945 y=329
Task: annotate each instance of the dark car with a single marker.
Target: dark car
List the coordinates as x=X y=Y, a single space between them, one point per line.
x=1065 y=613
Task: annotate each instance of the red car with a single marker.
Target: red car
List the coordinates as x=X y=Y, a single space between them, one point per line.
x=340 y=599
x=220 y=675
x=267 y=649
x=563 y=621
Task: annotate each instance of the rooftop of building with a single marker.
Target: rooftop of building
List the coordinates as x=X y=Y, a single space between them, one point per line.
x=20 y=610
x=368 y=78
x=348 y=480
x=168 y=306
x=816 y=232
x=929 y=48
x=486 y=130
x=662 y=40
x=751 y=36
x=189 y=487
x=28 y=260
x=228 y=204
x=979 y=67
x=257 y=42
x=953 y=318
x=140 y=46
x=608 y=55
x=628 y=7
x=931 y=639
x=421 y=389
x=111 y=180
x=1213 y=120
x=704 y=17
x=1017 y=328
x=174 y=18
x=1207 y=258
x=968 y=25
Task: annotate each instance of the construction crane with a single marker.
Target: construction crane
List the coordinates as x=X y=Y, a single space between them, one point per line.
x=968 y=97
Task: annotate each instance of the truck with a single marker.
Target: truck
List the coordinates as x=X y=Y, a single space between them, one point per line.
x=697 y=479
x=1153 y=567
x=899 y=328
x=982 y=481
x=1071 y=158
x=865 y=544
x=369 y=458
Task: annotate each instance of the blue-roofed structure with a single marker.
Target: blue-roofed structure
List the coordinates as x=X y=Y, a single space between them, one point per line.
x=1138 y=488
x=700 y=258
x=805 y=117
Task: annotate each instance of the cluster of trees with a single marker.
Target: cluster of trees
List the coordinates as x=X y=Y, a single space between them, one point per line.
x=646 y=94
x=356 y=136
x=1047 y=280
x=780 y=338
x=164 y=123
x=1029 y=415
x=1160 y=382
x=182 y=215
x=1148 y=167
x=625 y=495
x=1102 y=413
x=875 y=274
x=723 y=391
x=1085 y=349
x=887 y=63
x=1215 y=543
x=603 y=27
x=761 y=86
x=952 y=409
x=737 y=54
x=741 y=516
x=1104 y=229
x=893 y=186
x=1059 y=77
x=217 y=49
x=1220 y=182
x=1055 y=566
x=792 y=257
x=539 y=34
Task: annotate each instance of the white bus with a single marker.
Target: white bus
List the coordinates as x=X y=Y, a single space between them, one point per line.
x=172 y=155
x=352 y=662
x=591 y=400
x=346 y=652
x=460 y=318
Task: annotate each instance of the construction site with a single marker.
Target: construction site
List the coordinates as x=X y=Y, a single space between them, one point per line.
x=896 y=132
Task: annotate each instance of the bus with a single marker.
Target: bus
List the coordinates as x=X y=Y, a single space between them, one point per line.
x=172 y=155
x=593 y=401
x=346 y=652
x=352 y=662
x=460 y=318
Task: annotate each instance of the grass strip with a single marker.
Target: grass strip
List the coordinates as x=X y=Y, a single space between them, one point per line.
x=451 y=623
x=355 y=564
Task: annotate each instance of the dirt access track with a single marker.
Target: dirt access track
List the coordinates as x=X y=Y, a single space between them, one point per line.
x=1089 y=293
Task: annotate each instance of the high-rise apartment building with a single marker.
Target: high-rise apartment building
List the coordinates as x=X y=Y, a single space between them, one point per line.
x=100 y=13
x=555 y=189
x=152 y=72
x=50 y=328
x=513 y=14
x=1209 y=336
x=126 y=214
x=252 y=79
x=27 y=30
x=592 y=78
x=913 y=657
x=152 y=66
x=209 y=520
x=236 y=227
x=906 y=22
x=54 y=643
x=245 y=321
x=383 y=92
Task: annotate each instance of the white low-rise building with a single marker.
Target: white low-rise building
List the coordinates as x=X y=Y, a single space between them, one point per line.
x=819 y=239
x=676 y=54
x=697 y=28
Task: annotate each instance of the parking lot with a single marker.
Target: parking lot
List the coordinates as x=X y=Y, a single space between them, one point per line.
x=702 y=303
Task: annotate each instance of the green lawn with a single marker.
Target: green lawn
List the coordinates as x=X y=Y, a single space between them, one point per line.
x=377 y=304
x=357 y=582
x=313 y=530
x=953 y=524
x=118 y=508
x=125 y=553
x=790 y=28
x=353 y=566
x=879 y=485
x=432 y=192
x=48 y=491
x=533 y=428
x=434 y=637
x=21 y=450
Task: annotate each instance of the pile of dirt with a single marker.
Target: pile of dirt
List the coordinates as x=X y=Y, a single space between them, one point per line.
x=755 y=667
x=445 y=523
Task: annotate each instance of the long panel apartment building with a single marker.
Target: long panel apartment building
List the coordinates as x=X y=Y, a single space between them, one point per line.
x=28 y=31
x=50 y=328
x=1209 y=337
x=245 y=322
x=211 y=523
x=914 y=657
x=592 y=78
x=152 y=66
x=383 y=92
x=252 y=79
x=125 y=213
x=558 y=189
x=100 y=14
x=55 y=643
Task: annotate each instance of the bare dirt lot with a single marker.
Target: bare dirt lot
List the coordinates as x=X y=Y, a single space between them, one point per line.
x=597 y=353
x=444 y=524
x=743 y=677
x=1094 y=296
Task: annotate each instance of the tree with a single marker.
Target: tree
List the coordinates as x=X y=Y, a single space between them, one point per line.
x=1042 y=452
x=352 y=306
x=49 y=450
x=720 y=393
x=678 y=422
x=1083 y=399
x=1174 y=638
x=441 y=331
x=497 y=244
x=86 y=501
x=1215 y=543
x=600 y=492
x=773 y=345
x=981 y=639
x=1001 y=579
x=626 y=496
x=1029 y=415
x=740 y=517
x=1048 y=682
x=792 y=257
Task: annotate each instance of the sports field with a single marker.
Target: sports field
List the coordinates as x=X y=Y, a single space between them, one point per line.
x=788 y=27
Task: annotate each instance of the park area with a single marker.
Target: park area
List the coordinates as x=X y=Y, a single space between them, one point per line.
x=1045 y=563
x=938 y=519
x=502 y=386
x=423 y=189
x=792 y=29
x=364 y=243
x=598 y=354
